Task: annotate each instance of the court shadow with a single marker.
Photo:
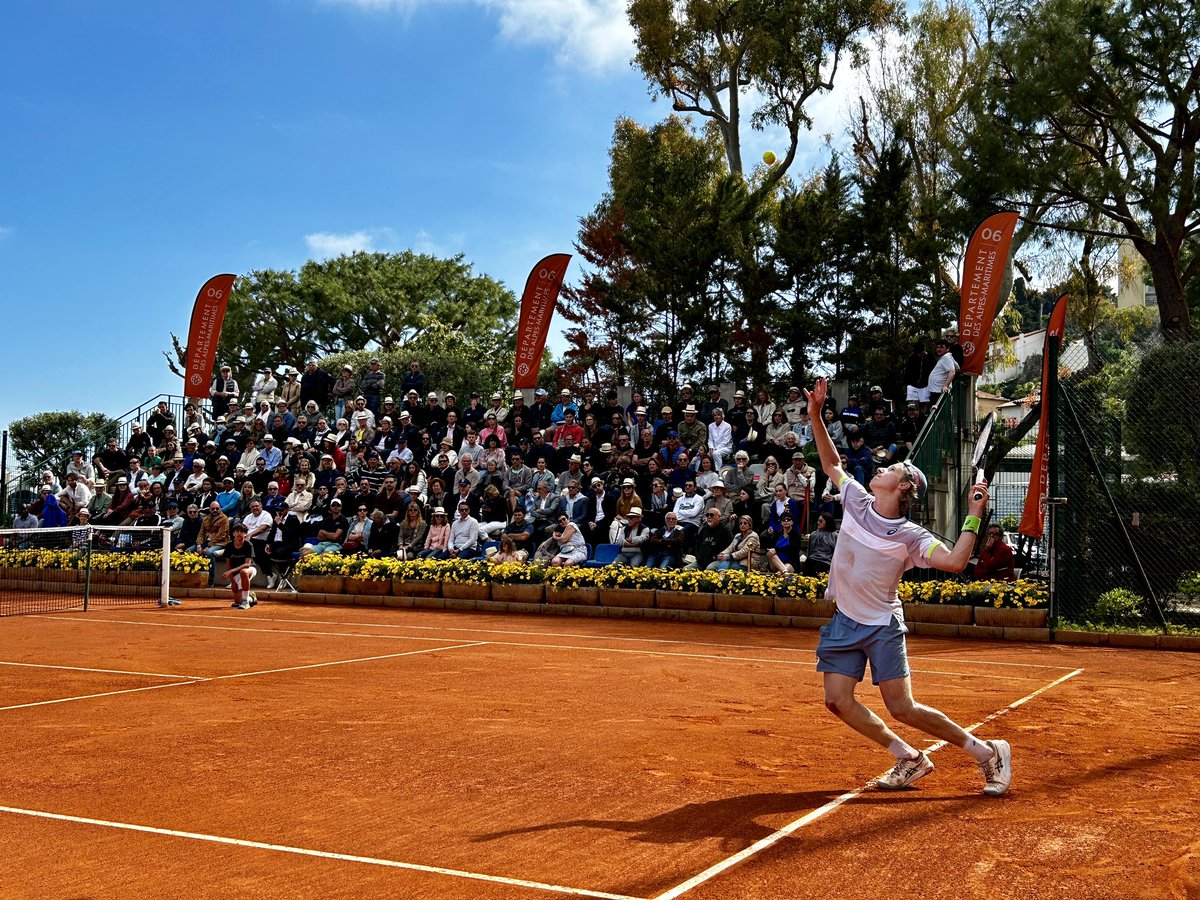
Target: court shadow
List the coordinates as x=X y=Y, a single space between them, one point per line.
x=732 y=819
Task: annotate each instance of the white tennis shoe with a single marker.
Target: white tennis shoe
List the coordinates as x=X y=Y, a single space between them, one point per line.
x=905 y=772
x=997 y=771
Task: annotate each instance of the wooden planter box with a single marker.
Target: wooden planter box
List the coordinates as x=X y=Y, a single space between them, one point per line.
x=573 y=596
x=321 y=584
x=696 y=601
x=939 y=613
x=797 y=606
x=108 y=577
x=1011 y=618
x=628 y=599
x=143 y=579
x=518 y=593
x=368 y=588
x=750 y=604
x=416 y=588
x=455 y=591
x=189 y=580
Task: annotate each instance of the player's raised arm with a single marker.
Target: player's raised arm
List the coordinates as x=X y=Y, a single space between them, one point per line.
x=956 y=560
x=830 y=458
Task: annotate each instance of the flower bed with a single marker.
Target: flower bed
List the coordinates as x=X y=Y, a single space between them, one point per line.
x=984 y=602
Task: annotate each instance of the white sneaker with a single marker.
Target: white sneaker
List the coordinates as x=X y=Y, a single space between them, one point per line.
x=271 y=583
x=905 y=772
x=245 y=604
x=997 y=771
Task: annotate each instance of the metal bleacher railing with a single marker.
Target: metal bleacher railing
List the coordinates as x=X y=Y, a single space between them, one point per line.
x=21 y=482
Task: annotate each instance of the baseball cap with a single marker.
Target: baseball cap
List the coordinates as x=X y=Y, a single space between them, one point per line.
x=389 y=400
x=666 y=409
x=876 y=387
x=541 y=392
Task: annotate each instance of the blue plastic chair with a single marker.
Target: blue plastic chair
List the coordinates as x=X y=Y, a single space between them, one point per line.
x=605 y=554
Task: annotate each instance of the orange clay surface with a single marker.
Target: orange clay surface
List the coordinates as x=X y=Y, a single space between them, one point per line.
x=292 y=751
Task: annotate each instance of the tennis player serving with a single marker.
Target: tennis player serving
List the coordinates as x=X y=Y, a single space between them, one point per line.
x=878 y=544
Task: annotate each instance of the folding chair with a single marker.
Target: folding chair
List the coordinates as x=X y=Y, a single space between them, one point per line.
x=285 y=580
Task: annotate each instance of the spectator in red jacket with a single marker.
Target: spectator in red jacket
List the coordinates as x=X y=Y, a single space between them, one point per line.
x=995 y=558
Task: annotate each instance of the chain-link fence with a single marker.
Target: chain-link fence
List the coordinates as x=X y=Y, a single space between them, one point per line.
x=1128 y=535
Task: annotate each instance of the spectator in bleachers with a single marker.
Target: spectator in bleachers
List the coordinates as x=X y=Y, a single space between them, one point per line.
x=821 y=544
x=764 y=406
x=690 y=508
x=664 y=545
x=84 y=471
x=223 y=389
x=793 y=406
x=745 y=503
x=738 y=475
x=837 y=431
x=158 y=421
x=742 y=552
x=463 y=542
x=944 y=370
x=996 y=559
x=631 y=537
x=24 y=518
x=566 y=544
x=852 y=415
x=438 y=536
x=862 y=463
x=783 y=556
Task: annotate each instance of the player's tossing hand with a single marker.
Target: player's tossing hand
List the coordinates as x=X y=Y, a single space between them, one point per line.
x=816 y=398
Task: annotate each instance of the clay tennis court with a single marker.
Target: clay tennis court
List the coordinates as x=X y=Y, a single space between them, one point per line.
x=349 y=752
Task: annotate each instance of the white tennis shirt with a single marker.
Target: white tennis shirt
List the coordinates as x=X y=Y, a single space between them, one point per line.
x=872 y=555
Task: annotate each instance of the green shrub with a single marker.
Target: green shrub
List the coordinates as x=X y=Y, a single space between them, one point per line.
x=1118 y=605
x=1189 y=584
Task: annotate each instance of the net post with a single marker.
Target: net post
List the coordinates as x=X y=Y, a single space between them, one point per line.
x=87 y=568
x=164 y=592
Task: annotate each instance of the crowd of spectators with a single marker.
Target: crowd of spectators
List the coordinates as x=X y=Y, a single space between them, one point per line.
x=313 y=463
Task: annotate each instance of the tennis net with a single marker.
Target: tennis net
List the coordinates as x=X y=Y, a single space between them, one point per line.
x=56 y=569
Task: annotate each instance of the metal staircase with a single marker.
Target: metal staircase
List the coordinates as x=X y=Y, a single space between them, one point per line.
x=20 y=485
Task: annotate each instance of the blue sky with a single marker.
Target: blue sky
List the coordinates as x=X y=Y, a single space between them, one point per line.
x=149 y=145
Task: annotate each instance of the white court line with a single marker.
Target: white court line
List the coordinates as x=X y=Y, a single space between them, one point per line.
x=199 y=680
x=344 y=662
x=402 y=637
x=779 y=662
x=593 y=637
x=792 y=827
x=377 y=637
x=322 y=854
x=153 y=687
x=105 y=671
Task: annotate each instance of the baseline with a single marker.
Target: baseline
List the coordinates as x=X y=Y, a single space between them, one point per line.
x=660 y=653
x=807 y=819
x=321 y=854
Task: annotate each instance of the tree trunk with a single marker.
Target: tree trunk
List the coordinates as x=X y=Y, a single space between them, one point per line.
x=1163 y=258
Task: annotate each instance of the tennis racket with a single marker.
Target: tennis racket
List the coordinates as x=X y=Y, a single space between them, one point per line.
x=983 y=446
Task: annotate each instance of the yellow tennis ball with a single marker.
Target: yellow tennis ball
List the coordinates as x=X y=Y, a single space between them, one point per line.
x=769 y=158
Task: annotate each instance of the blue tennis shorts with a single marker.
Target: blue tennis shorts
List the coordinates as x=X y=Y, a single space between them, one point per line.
x=846 y=645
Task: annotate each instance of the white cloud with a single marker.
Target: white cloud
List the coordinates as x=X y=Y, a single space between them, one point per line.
x=594 y=35
x=325 y=243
